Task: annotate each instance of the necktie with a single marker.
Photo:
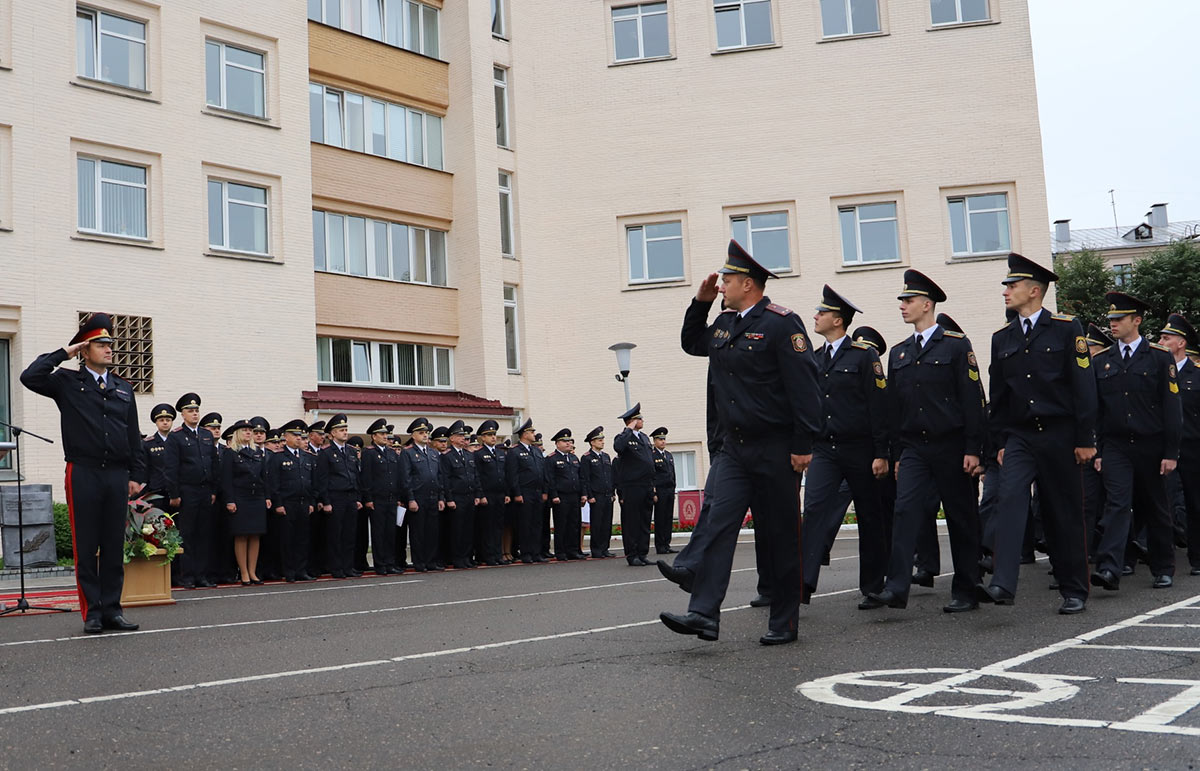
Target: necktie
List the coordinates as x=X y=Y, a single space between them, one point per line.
x=1128 y=350
x=100 y=382
x=1028 y=327
x=920 y=341
x=828 y=355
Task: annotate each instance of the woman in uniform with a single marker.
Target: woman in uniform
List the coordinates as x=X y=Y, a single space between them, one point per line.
x=243 y=482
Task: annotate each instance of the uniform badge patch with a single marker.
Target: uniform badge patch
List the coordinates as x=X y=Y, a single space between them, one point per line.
x=1084 y=362
x=754 y=335
x=878 y=367
x=1174 y=388
x=971 y=359
x=880 y=383
x=1172 y=370
x=973 y=374
x=720 y=334
x=799 y=343
x=1080 y=345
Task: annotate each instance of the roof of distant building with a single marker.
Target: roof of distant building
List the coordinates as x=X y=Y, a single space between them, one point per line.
x=1137 y=236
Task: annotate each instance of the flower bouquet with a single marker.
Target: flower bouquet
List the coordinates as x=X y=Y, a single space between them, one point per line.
x=148 y=529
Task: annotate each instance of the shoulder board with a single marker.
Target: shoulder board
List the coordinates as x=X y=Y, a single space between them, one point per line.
x=863 y=346
x=148 y=438
x=178 y=428
x=782 y=311
x=1062 y=317
x=952 y=333
x=1159 y=347
x=1103 y=350
x=1007 y=324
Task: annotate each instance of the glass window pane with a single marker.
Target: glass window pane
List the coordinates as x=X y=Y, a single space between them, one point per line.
x=424 y=365
x=85 y=45
x=625 y=38
x=664 y=230
x=510 y=293
x=314 y=10
x=865 y=16
x=420 y=268
x=771 y=249
x=741 y=233
x=989 y=232
x=777 y=219
x=379 y=242
x=874 y=211
x=121 y=172
x=247 y=193
x=212 y=73
x=122 y=26
x=406 y=359
x=437 y=258
x=123 y=61
x=341 y=361
x=352 y=16
x=316 y=118
x=498 y=18
x=416 y=137
x=880 y=241
x=664 y=259
x=443 y=366
x=374 y=26
x=758 y=24
x=395 y=23
x=974 y=10
x=356 y=231
x=833 y=18
x=628 y=10
x=333 y=118
x=506 y=239
x=654 y=8
x=400 y=267
x=943 y=11
x=324 y=360
x=958 y=226
x=86 y=193
x=637 y=253
x=245 y=91
x=501 y=115
x=378 y=128
x=510 y=337
x=413 y=41
x=387 y=363
x=430 y=22
x=123 y=210
x=362 y=362
x=333 y=12
x=318 y=240
x=729 y=27
x=335 y=225
x=979 y=202
x=654 y=36
x=849 y=236
x=433 y=126
x=216 y=214
x=247 y=227
x=397 y=133
x=244 y=58
x=354 y=122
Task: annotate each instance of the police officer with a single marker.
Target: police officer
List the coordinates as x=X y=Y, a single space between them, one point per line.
x=421 y=486
x=105 y=463
x=289 y=486
x=664 y=491
x=936 y=402
x=1141 y=422
x=1043 y=413
x=544 y=549
x=316 y=436
x=381 y=491
x=851 y=446
x=764 y=391
x=635 y=483
x=565 y=490
x=336 y=480
x=1177 y=336
x=244 y=489
x=154 y=447
x=221 y=565
x=596 y=476
x=490 y=464
x=525 y=468
x=1097 y=341
x=192 y=481
x=462 y=493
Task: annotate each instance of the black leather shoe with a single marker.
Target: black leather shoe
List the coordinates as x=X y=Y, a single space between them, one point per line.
x=205 y=584
x=1195 y=572
x=886 y=597
x=760 y=601
x=871 y=602
x=993 y=595
x=923 y=578
x=118 y=623
x=777 y=638
x=1071 y=605
x=1127 y=570
x=986 y=565
x=681 y=577
x=579 y=556
x=92 y=626
x=693 y=623
x=540 y=558
x=1053 y=585
x=960 y=606
x=667 y=550
x=607 y=554
x=1106 y=579
x=1163 y=582
x=527 y=560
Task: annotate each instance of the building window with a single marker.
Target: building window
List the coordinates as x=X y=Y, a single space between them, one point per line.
x=506 y=214
x=401 y=23
x=366 y=125
x=655 y=252
x=979 y=224
x=511 y=346
x=235 y=79
x=640 y=31
x=112 y=198
x=359 y=246
x=742 y=23
x=237 y=217
x=870 y=233
x=1122 y=274
x=110 y=48
x=498 y=18
x=363 y=362
x=958 y=11
x=5 y=400
x=500 y=83
x=765 y=236
x=849 y=17
x=133 y=350
x=685 y=470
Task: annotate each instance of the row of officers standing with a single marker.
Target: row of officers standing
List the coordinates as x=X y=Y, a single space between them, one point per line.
x=301 y=500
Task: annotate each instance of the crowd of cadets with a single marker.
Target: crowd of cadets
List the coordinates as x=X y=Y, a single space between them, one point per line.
x=299 y=501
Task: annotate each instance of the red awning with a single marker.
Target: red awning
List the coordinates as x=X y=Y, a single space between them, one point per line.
x=353 y=399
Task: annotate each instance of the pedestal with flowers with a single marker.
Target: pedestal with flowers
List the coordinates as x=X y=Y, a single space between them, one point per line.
x=151 y=542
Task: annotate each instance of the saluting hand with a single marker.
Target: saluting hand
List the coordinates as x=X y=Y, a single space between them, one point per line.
x=708 y=288
x=73 y=350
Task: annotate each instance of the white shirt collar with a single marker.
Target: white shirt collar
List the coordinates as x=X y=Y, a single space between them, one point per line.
x=96 y=375
x=162 y=436
x=928 y=333
x=1179 y=364
x=1133 y=347
x=835 y=345
x=1033 y=320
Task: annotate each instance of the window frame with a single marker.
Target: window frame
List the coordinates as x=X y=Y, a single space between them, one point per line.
x=223 y=63
x=858 y=223
x=6 y=463
x=639 y=16
x=225 y=182
x=374 y=378
x=967 y=212
x=499 y=19
x=680 y=467
x=750 y=230
x=646 y=253
x=368 y=104
x=719 y=5
x=507 y=217
x=98 y=181
x=958 y=16
x=346 y=20
x=500 y=89
x=97 y=62
x=851 y=32
x=514 y=367
x=411 y=232
x=1122 y=273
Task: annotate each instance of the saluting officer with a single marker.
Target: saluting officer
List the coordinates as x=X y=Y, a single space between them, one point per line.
x=851 y=446
x=566 y=495
x=462 y=493
x=664 y=491
x=336 y=483
x=764 y=391
x=1177 y=336
x=154 y=447
x=105 y=463
x=1043 y=415
x=596 y=476
x=289 y=486
x=490 y=463
x=192 y=481
x=525 y=468
x=421 y=485
x=635 y=483
x=1141 y=423
x=936 y=402
x=381 y=491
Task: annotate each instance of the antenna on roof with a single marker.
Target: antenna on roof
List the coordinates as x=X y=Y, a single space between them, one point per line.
x=1113 y=199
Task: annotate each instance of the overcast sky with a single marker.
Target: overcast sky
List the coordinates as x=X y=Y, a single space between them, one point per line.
x=1119 y=96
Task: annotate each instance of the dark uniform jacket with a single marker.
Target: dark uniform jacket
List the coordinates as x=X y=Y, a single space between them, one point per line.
x=244 y=475
x=191 y=460
x=1141 y=399
x=562 y=475
x=336 y=473
x=853 y=396
x=289 y=477
x=596 y=474
x=490 y=465
x=1188 y=379
x=525 y=470
x=762 y=372
x=1048 y=377
x=934 y=392
x=381 y=474
x=99 y=427
x=155 y=449
x=664 y=469
x=458 y=474
x=636 y=454
x=421 y=475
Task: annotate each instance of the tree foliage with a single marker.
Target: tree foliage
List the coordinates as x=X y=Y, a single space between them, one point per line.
x=1083 y=280
x=1169 y=281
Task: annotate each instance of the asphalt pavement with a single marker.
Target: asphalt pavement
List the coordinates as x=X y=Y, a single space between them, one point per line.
x=566 y=665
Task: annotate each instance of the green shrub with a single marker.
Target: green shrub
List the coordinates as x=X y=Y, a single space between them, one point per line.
x=62 y=532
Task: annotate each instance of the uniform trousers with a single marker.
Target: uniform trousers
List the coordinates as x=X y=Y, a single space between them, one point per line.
x=339 y=533
x=600 y=524
x=1188 y=472
x=489 y=528
x=194 y=521
x=1131 y=472
x=545 y=544
x=461 y=522
x=98 y=501
x=637 y=506
x=383 y=533
x=702 y=534
x=760 y=475
x=423 y=532
x=928 y=467
x=832 y=463
x=664 y=518
x=568 y=523
x=316 y=542
x=528 y=528
x=1093 y=505
x=1045 y=455
x=292 y=528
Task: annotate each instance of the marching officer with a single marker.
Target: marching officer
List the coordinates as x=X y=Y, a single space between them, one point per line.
x=421 y=486
x=337 y=490
x=1141 y=422
x=565 y=490
x=664 y=491
x=154 y=447
x=763 y=390
x=381 y=491
x=462 y=493
x=1177 y=336
x=490 y=463
x=851 y=446
x=635 y=481
x=1043 y=415
x=596 y=476
x=105 y=463
x=936 y=402
x=524 y=466
x=192 y=478
x=289 y=487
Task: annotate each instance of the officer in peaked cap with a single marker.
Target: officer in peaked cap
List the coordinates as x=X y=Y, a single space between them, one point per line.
x=336 y=480
x=565 y=490
x=917 y=284
x=1043 y=414
x=490 y=464
x=193 y=477
x=1177 y=337
x=381 y=491
x=664 y=490
x=596 y=475
x=154 y=447
x=421 y=484
x=316 y=437
x=762 y=391
x=212 y=421
x=461 y=485
x=945 y=321
x=1098 y=339
x=635 y=480
x=526 y=485
x=105 y=462
x=1141 y=426
x=871 y=337
x=289 y=487
x=259 y=428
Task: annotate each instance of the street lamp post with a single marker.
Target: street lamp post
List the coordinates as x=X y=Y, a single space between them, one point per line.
x=623 y=351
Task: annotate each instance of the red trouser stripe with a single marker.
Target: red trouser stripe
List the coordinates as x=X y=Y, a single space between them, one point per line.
x=83 y=604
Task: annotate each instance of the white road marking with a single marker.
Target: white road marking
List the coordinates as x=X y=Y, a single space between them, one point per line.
x=1151 y=648
x=337 y=587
